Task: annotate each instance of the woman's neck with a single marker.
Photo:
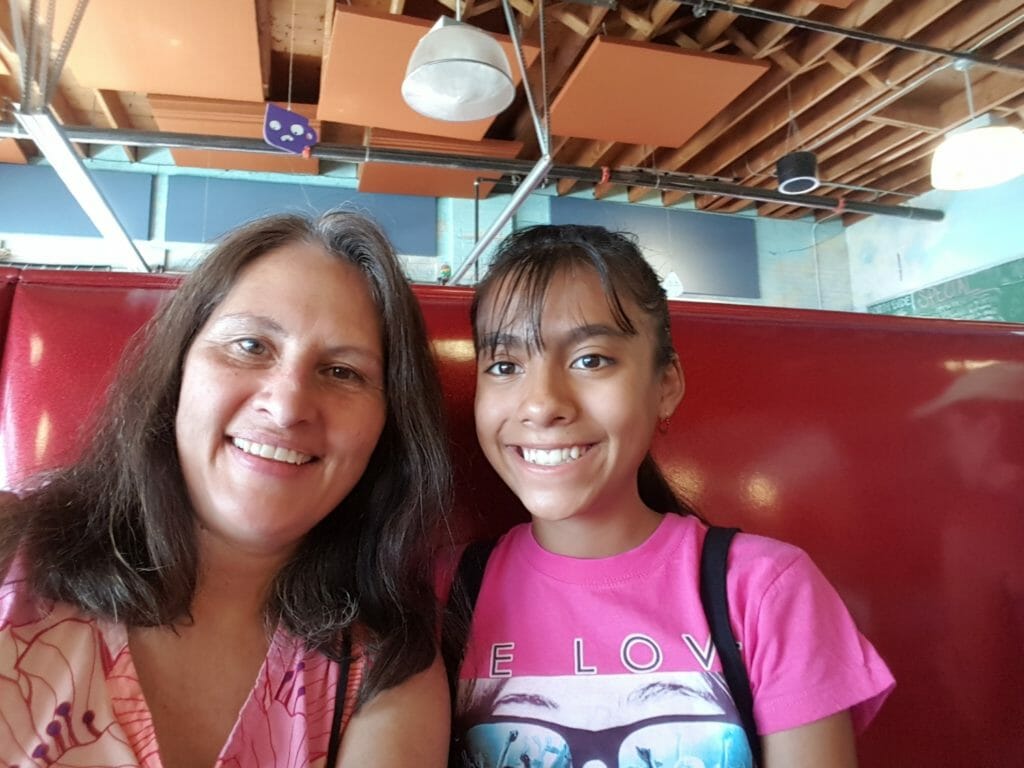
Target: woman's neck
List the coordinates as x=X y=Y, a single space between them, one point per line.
x=233 y=585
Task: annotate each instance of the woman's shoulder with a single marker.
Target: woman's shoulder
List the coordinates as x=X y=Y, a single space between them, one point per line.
x=19 y=603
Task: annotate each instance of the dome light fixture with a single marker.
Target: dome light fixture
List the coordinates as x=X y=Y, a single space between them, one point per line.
x=458 y=73
x=797 y=173
x=983 y=152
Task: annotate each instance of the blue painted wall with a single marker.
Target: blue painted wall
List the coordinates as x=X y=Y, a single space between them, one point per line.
x=711 y=255
x=201 y=209
x=33 y=200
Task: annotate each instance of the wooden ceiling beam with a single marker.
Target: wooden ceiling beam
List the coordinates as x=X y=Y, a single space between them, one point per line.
x=848 y=106
x=264 y=37
x=715 y=26
x=847 y=67
x=989 y=92
x=113 y=110
x=909 y=113
x=766 y=88
x=772 y=34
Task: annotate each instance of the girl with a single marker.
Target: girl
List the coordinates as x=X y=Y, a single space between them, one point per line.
x=588 y=644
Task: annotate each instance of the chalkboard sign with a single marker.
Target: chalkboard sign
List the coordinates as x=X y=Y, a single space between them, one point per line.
x=995 y=294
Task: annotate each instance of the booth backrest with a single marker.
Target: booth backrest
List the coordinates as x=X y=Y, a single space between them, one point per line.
x=889 y=448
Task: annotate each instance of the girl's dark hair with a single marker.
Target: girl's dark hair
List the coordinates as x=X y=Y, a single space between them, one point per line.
x=518 y=279
x=114 y=534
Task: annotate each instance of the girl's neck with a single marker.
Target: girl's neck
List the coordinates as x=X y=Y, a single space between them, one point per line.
x=595 y=535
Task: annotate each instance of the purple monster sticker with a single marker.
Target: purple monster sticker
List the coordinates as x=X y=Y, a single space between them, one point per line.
x=288 y=130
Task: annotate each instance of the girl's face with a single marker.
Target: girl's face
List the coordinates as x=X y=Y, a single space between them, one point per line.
x=567 y=426
x=282 y=399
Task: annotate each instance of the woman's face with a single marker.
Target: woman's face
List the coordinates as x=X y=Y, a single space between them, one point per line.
x=282 y=399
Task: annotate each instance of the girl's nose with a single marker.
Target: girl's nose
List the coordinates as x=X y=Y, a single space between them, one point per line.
x=547 y=396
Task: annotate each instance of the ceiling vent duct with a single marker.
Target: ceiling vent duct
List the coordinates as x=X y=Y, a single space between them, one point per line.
x=797 y=173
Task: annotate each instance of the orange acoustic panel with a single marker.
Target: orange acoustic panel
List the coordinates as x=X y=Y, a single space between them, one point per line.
x=187 y=47
x=391 y=178
x=363 y=73
x=640 y=93
x=210 y=117
x=10 y=152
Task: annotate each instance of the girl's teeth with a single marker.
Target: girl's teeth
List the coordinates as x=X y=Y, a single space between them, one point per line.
x=553 y=457
x=274 y=453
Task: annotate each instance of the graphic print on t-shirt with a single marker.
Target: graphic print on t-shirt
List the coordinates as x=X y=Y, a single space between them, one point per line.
x=654 y=720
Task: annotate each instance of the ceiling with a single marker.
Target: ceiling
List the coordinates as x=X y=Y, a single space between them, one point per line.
x=644 y=91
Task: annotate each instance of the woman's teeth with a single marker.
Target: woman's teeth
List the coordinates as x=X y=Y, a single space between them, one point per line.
x=272 y=452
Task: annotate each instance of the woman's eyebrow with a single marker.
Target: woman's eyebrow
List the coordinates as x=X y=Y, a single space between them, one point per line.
x=262 y=322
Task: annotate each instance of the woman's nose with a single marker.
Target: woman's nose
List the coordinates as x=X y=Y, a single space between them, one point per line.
x=286 y=397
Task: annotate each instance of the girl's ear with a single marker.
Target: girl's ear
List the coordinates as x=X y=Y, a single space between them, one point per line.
x=673 y=385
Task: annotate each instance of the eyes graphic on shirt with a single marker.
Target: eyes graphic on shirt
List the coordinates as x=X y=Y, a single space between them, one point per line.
x=676 y=741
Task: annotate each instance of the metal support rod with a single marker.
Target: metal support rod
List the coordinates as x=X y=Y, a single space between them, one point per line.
x=848 y=32
x=342 y=153
x=530 y=183
x=513 y=30
x=43 y=129
x=534 y=177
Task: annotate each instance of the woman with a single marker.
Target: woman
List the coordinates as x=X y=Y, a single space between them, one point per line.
x=257 y=499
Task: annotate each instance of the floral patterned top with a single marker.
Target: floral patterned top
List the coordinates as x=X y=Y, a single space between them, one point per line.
x=70 y=695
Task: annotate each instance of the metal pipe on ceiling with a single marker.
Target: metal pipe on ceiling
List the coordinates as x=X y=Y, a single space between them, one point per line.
x=342 y=153
x=854 y=34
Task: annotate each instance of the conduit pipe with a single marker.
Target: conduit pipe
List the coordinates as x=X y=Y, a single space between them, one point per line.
x=854 y=34
x=341 y=153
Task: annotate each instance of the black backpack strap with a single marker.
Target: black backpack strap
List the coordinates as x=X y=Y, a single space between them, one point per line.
x=715 y=600
x=458 y=611
x=334 y=745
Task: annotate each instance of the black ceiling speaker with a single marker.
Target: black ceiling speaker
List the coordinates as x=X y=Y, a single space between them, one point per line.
x=797 y=173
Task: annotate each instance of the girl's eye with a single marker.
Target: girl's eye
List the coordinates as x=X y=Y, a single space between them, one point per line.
x=251 y=346
x=502 y=368
x=590 y=362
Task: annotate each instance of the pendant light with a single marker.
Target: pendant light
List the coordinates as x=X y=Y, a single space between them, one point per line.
x=983 y=152
x=458 y=73
x=797 y=170
x=797 y=173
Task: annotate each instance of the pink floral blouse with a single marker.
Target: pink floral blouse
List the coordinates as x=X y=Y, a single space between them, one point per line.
x=70 y=696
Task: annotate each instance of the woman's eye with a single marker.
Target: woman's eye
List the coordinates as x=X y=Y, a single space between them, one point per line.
x=251 y=346
x=343 y=373
x=590 y=362
x=502 y=368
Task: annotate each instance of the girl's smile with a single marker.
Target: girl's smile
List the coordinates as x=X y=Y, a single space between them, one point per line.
x=567 y=419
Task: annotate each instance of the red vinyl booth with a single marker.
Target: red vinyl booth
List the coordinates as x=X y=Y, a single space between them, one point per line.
x=889 y=448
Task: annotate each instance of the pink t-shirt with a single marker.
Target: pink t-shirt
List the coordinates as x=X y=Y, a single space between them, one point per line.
x=615 y=651
x=70 y=695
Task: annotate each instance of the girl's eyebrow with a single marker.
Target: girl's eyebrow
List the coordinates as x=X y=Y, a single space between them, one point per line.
x=583 y=332
x=576 y=335
x=502 y=339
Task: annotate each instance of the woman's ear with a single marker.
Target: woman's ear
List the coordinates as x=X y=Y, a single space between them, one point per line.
x=673 y=385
